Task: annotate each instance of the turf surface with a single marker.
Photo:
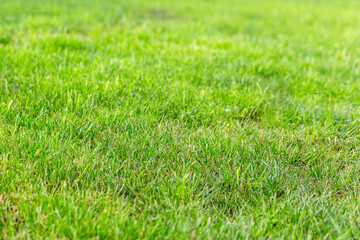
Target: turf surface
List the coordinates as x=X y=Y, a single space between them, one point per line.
x=186 y=119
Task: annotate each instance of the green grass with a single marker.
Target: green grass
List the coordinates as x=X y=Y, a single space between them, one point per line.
x=190 y=119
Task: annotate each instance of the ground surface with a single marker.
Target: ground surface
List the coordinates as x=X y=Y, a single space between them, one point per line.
x=179 y=119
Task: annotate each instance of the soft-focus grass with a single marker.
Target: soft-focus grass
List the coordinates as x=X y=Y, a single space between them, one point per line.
x=184 y=119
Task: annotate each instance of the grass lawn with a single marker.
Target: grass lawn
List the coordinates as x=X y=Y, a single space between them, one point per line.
x=192 y=119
